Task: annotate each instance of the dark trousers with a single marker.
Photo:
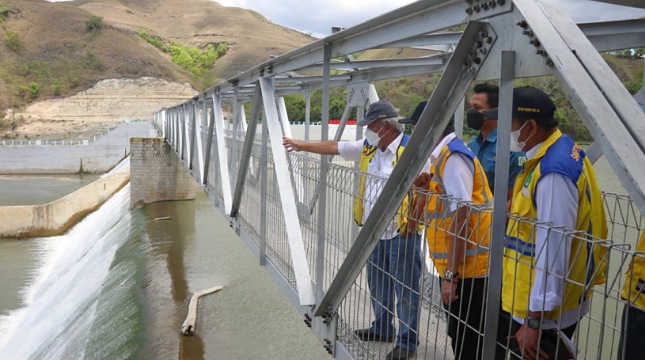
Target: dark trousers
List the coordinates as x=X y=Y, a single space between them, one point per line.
x=507 y=327
x=632 y=334
x=466 y=318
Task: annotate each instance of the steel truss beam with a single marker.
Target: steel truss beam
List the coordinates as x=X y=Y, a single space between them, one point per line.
x=443 y=102
x=246 y=152
x=565 y=51
x=287 y=199
x=222 y=153
x=604 y=104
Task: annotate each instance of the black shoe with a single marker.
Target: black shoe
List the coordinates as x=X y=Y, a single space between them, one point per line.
x=368 y=335
x=399 y=353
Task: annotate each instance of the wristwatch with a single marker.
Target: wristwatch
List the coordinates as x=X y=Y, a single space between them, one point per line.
x=533 y=322
x=450 y=276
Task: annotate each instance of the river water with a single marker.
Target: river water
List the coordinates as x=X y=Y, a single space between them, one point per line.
x=117 y=286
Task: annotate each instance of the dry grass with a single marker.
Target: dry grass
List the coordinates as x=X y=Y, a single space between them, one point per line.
x=63 y=58
x=56 y=44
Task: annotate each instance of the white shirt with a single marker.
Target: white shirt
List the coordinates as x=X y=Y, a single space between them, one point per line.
x=458 y=173
x=380 y=166
x=556 y=198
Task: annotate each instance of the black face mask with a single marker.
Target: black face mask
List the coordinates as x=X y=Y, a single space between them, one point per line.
x=475 y=119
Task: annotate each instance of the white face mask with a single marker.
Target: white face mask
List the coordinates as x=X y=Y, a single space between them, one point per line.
x=372 y=138
x=516 y=145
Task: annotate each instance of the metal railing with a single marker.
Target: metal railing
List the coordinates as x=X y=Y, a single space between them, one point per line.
x=296 y=212
x=597 y=332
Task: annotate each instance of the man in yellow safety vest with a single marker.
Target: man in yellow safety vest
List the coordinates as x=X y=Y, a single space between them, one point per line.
x=546 y=272
x=633 y=331
x=458 y=235
x=394 y=267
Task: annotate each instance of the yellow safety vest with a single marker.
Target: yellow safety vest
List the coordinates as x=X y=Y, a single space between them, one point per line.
x=438 y=216
x=368 y=153
x=634 y=288
x=587 y=261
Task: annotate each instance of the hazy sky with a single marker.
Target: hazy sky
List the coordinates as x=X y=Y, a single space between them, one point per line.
x=318 y=16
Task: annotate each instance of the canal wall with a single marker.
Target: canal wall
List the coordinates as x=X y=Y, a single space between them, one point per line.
x=93 y=157
x=157 y=173
x=57 y=217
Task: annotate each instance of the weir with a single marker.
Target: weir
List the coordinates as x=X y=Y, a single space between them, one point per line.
x=295 y=210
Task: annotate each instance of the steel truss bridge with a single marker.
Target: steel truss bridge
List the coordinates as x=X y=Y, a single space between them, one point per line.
x=295 y=210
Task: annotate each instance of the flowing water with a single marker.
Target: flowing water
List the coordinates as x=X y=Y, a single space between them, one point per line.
x=117 y=286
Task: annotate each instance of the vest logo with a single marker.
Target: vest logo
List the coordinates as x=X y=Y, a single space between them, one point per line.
x=367 y=150
x=521 y=160
x=575 y=152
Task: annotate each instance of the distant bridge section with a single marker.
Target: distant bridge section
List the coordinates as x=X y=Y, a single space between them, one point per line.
x=295 y=210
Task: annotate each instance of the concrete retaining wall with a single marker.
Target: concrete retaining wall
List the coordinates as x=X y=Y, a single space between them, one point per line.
x=58 y=216
x=157 y=173
x=95 y=158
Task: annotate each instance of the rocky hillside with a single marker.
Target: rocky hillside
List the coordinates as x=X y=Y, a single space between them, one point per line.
x=55 y=50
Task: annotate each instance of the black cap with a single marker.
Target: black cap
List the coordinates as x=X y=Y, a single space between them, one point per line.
x=381 y=109
x=415 y=115
x=528 y=102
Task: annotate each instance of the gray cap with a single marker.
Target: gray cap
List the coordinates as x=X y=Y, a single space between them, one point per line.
x=381 y=109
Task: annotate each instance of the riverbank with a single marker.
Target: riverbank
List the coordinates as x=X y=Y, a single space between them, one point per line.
x=56 y=217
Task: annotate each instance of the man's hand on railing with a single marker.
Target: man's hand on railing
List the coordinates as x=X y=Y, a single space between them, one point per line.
x=291 y=144
x=423 y=180
x=328 y=147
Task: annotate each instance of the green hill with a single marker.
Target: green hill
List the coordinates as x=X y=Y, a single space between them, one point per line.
x=53 y=50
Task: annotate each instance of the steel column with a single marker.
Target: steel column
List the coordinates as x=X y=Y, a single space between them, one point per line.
x=496 y=252
x=321 y=192
x=264 y=164
x=193 y=133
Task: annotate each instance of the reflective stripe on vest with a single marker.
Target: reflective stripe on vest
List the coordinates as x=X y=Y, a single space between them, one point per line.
x=557 y=154
x=367 y=155
x=469 y=252
x=439 y=217
x=634 y=287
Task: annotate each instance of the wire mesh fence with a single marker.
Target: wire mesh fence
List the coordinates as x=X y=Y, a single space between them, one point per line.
x=406 y=308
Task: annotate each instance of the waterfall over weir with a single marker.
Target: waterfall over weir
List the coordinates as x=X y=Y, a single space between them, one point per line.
x=86 y=274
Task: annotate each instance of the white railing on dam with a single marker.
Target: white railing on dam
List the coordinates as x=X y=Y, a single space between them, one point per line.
x=295 y=211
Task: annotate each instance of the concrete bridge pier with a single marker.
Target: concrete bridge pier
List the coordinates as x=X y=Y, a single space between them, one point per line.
x=156 y=173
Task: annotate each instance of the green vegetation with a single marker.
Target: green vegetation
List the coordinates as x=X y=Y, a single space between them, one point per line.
x=13 y=41
x=94 y=61
x=67 y=66
x=4 y=11
x=94 y=24
x=34 y=90
x=195 y=60
x=636 y=53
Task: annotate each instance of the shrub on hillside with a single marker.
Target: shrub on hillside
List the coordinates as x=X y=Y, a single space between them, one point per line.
x=13 y=41
x=4 y=11
x=34 y=89
x=95 y=23
x=94 y=61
